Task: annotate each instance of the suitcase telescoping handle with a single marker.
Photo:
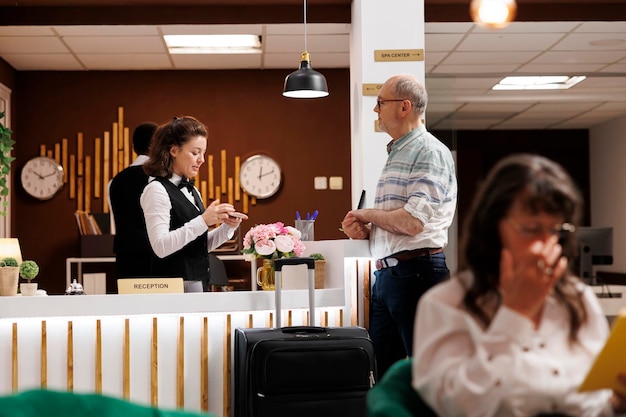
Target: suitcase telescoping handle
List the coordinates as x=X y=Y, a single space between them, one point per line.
x=278 y=267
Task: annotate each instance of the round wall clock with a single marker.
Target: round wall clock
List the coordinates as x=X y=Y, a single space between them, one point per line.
x=260 y=176
x=42 y=177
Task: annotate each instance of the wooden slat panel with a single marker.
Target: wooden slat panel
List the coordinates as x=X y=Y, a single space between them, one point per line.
x=44 y=355
x=98 y=357
x=42 y=150
x=126 y=361
x=14 y=370
x=80 y=194
x=231 y=196
x=64 y=157
x=180 y=365
x=114 y=146
x=127 y=147
x=106 y=170
x=72 y=175
x=237 y=183
x=244 y=200
x=87 y=183
x=120 y=126
x=154 y=365
x=367 y=271
x=211 y=177
x=203 y=192
x=79 y=153
x=223 y=176
x=204 y=366
x=57 y=152
x=97 y=162
x=70 y=356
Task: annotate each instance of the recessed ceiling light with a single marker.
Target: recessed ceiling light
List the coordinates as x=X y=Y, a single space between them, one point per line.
x=541 y=82
x=213 y=44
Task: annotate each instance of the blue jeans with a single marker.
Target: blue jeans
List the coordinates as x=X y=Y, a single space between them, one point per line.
x=393 y=305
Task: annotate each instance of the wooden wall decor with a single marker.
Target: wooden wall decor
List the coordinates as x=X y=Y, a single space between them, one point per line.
x=89 y=174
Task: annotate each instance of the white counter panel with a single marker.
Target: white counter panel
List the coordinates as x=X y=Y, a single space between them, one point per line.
x=167 y=350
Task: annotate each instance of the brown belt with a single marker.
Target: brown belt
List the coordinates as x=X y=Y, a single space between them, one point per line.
x=405 y=255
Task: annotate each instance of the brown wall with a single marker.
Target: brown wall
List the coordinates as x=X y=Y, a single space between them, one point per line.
x=244 y=111
x=478 y=151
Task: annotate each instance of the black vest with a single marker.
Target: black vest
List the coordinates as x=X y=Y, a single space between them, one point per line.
x=131 y=244
x=192 y=261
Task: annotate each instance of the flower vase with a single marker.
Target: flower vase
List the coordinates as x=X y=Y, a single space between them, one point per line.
x=265 y=275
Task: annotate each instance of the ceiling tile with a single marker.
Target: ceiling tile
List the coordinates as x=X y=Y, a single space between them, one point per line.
x=123 y=62
x=211 y=62
x=31 y=45
x=442 y=42
x=52 y=62
x=508 y=42
x=116 y=44
x=474 y=58
x=586 y=57
x=474 y=69
x=106 y=30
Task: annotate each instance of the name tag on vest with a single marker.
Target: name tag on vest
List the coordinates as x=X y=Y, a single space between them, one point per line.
x=150 y=285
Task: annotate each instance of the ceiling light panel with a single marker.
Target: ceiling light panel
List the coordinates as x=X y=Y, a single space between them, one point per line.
x=213 y=44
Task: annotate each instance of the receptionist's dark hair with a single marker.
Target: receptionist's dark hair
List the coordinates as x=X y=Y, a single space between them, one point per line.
x=175 y=133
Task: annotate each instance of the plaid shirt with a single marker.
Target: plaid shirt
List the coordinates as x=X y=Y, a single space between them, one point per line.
x=420 y=176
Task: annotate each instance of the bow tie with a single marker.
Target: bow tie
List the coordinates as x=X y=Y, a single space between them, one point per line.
x=186 y=183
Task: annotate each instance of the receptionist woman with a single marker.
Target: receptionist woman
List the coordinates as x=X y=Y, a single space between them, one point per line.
x=176 y=219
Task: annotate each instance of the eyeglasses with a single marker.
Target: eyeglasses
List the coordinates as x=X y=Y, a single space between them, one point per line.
x=380 y=101
x=537 y=230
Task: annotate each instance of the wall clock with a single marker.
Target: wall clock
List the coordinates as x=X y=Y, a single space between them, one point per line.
x=260 y=176
x=42 y=177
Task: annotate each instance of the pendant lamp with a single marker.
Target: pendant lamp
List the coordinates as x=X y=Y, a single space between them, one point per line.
x=305 y=82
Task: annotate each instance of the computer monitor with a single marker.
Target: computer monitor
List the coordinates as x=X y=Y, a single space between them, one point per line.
x=595 y=248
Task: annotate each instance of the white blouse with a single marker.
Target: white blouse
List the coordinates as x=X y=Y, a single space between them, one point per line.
x=156 y=206
x=509 y=369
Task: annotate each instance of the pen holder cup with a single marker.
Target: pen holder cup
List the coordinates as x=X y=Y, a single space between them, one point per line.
x=307 y=228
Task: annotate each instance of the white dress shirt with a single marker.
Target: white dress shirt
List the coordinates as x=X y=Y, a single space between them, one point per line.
x=156 y=206
x=508 y=369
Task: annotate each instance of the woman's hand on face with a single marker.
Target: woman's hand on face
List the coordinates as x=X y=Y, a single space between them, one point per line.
x=217 y=213
x=526 y=283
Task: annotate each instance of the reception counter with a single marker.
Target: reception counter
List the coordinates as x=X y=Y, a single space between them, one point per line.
x=167 y=350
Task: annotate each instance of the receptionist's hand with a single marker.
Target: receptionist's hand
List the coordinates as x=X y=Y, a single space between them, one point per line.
x=217 y=213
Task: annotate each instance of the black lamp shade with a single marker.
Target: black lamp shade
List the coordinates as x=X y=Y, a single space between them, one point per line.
x=305 y=82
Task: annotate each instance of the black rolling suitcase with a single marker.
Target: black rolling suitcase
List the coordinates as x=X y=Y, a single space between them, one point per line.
x=302 y=371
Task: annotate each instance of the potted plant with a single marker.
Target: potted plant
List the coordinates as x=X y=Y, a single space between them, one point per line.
x=28 y=271
x=6 y=146
x=320 y=269
x=9 y=276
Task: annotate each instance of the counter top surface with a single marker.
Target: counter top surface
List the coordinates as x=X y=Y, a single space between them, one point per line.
x=112 y=304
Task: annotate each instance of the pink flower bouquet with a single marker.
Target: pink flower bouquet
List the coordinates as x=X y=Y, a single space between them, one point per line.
x=271 y=241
